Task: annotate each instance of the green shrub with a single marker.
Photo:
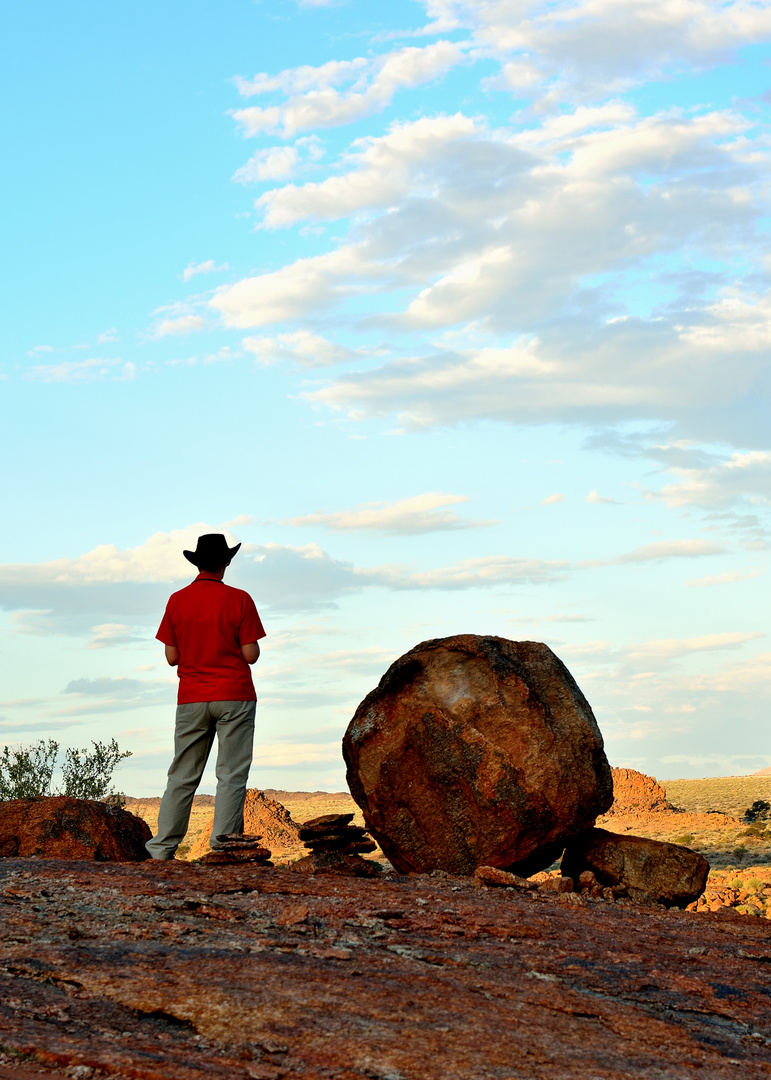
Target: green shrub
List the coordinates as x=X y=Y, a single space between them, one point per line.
x=27 y=772
x=758 y=811
x=687 y=839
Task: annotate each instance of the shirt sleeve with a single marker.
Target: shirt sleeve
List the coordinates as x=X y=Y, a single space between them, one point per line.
x=166 y=631
x=251 y=628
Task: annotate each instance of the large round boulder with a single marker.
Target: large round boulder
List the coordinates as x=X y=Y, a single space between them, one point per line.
x=58 y=827
x=476 y=751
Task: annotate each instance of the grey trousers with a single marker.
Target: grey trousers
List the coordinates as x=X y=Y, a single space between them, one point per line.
x=196 y=726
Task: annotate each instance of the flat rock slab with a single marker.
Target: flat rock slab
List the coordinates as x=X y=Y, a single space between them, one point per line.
x=667 y=873
x=169 y=971
x=476 y=751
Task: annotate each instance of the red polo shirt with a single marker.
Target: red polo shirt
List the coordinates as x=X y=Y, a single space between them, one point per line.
x=209 y=621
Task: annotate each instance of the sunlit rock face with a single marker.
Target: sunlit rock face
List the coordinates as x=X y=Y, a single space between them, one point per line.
x=63 y=828
x=476 y=751
x=649 y=869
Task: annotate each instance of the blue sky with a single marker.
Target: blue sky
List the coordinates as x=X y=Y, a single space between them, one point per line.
x=457 y=316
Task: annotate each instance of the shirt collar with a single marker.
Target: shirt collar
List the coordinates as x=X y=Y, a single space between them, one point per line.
x=206 y=575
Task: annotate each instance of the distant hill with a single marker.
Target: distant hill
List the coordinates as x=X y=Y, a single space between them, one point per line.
x=763 y=772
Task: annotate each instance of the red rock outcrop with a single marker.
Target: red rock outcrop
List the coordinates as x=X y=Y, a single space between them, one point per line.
x=636 y=793
x=263 y=817
x=476 y=751
x=58 y=827
x=167 y=971
x=648 y=869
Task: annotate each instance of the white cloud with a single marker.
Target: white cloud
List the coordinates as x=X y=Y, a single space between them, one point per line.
x=315 y=103
x=303 y=348
x=294 y=291
x=83 y=371
x=419 y=514
x=183 y=324
x=670 y=648
x=504 y=232
x=601 y=46
x=721 y=482
x=275 y=163
x=106 y=635
x=557 y=497
x=727 y=578
x=209 y=267
x=108 y=336
x=671 y=549
x=595 y=497
x=387 y=170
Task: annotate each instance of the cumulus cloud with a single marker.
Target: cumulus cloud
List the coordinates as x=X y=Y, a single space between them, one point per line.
x=595 y=497
x=557 y=497
x=209 y=267
x=302 y=348
x=294 y=291
x=504 y=231
x=182 y=324
x=720 y=482
x=600 y=46
x=419 y=514
x=275 y=163
x=315 y=102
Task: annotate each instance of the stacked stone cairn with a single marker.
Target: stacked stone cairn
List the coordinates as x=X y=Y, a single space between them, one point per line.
x=333 y=834
x=238 y=848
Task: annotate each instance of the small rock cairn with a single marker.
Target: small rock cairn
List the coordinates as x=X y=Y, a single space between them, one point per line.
x=333 y=834
x=238 y=848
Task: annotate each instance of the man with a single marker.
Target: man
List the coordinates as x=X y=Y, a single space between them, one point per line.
x=210 y=632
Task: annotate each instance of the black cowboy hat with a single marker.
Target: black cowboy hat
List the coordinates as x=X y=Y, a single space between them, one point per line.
x=211 y=552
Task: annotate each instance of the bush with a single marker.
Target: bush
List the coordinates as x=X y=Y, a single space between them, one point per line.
x=27 y=772
x=686 y=839
x=758 y=811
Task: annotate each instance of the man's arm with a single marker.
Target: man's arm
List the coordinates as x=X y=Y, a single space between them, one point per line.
x=172 y=655
x=250 y=652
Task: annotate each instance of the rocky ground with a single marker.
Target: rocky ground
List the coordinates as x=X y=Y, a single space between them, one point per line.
x=179 y=971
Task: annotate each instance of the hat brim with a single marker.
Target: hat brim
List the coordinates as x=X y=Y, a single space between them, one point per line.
x=194 y=557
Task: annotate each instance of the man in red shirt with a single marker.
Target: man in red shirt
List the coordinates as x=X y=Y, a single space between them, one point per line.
x=211 y=633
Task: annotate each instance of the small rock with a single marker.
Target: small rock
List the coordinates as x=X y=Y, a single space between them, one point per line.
x=586 y=880
x=491 y=875
x=336 y=862
x=328 y=822
x=294 y=915
x=557 y=884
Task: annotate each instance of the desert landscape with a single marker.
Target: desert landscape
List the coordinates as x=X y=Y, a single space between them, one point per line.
x=492 y=900
x=706 y=815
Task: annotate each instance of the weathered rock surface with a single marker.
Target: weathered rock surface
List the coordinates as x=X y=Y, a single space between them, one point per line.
x=476 y=751
x=636 y=793
x=666 y=873
x=58 y=827
x=264 y=817
x=346 y=864
x=171 y=971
